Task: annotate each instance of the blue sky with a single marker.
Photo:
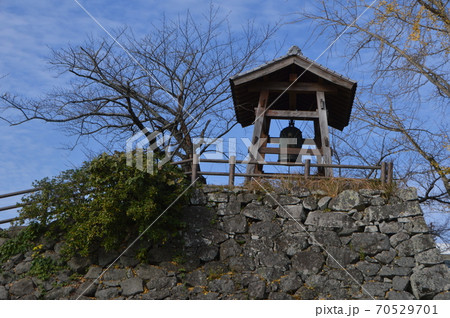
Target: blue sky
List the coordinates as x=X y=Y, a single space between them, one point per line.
x=29 y=29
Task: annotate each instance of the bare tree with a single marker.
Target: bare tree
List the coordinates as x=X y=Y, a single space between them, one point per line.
x=174 y=80
x=401 y=112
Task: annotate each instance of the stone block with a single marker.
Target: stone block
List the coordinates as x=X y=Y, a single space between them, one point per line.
x=398 y=238
x=196 y=278
x=347 y=200
x=310 y=203
x=325 y=238
x=417 y=225
x=279 y=296
x=330 y=220
x=370 y=243
x=4 y=295
x=290 y=283
x=108 y=293
x=222 y=285
x=241 y=263
x=338 y=257
x=87 y=289
x=429 y=257
x=257 y=290
x=79 y=264
x=218 y=197
x=265 y=229
x=246 y=197
x=213 y=236
x=308 y=262
x=422 y=242
x=198 y=197
x=322 y=204
x=442 y=296
x=22 y=287
x=409 y=194
x=399 y=295
x=386 y=257
x=115 y=274
x=292 y=212
x=405 y=261
x=93 y=272
x=235 y=224
x=273 y=259
x=229 y=249
x=22 y=268
x=429 y=281
x=391 y=271
x=393 y=211
x=400 y=283
x=132 y=286
x=368 y=269
x=288 y=200
x=378 y=201
x=259 y=212
x=376 y=289
x=60 y=293
x=390 y=227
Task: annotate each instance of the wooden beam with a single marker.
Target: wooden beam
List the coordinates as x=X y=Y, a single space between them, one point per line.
x=276 y=140
x=323 y=73
x=290 y=151
x=295 y=88
x=261 y=72
x=291 y=114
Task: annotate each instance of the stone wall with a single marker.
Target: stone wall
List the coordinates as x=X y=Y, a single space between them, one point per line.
x=244 y=245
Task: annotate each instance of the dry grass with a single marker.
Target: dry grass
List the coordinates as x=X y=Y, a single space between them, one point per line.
x=327 y=186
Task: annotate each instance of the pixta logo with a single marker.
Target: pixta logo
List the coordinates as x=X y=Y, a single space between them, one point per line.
x=150 y=141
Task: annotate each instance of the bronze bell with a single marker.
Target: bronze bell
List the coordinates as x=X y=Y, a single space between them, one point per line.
x=290 y=132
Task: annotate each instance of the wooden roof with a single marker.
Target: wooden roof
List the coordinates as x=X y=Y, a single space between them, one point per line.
x=275 y=76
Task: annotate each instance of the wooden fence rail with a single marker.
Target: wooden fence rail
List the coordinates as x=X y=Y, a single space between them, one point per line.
x=386 y=169
x=15 y=206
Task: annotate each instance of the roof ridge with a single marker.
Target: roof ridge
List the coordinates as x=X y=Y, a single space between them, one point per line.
x=296 y=52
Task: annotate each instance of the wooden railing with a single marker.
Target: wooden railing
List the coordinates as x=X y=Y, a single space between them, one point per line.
x=386 y=175
x=386 y=169
x=15 y=206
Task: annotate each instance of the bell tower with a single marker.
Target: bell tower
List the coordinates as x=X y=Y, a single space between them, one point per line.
x=292 y=88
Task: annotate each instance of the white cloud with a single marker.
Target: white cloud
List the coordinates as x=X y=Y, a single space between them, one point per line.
x=28 y=28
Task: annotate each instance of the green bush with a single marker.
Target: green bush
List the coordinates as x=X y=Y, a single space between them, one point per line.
x=21 y=243
x=106 y=203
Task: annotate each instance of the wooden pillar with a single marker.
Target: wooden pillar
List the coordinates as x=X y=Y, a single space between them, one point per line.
x=390 y=172
x=307 y=168
x=264 y=139
x=383 y=173
x=318 y=142
x=232 y=162
x=195 y=164
x=257 y=131
x=324 y=134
